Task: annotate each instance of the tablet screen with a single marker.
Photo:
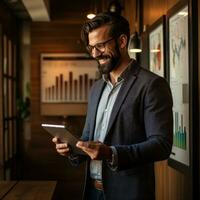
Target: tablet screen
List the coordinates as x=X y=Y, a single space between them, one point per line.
x=61 y=132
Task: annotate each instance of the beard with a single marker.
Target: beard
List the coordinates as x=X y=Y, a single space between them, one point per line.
x=111 y=61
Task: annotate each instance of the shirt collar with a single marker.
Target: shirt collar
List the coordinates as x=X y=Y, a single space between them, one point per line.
x=106 y=78
x=121 y=77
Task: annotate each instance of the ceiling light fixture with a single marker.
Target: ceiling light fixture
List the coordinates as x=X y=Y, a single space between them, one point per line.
x=134 y=42
x=91 y=15
x=115 y=7
x=93 y=10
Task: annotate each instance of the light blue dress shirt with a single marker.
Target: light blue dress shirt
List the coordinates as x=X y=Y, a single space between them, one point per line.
x=104 y=110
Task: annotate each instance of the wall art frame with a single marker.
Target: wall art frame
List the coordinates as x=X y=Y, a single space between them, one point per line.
x=157 y=47
x=179 y=77
x=66 y=79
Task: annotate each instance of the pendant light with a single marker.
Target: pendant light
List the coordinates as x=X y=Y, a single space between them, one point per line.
x=134 y=42
x=115 y=7
x=90 y=15
x=93 y=11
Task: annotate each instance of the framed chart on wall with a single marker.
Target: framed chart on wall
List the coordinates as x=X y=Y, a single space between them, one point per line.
x=65 y=83
x=179 y=54
x=156 y=43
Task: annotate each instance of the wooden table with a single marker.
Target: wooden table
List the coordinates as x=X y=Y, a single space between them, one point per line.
x=27 y=190
x=5 y=187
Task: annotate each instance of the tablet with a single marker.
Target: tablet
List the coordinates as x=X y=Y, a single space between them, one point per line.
x=61 y=132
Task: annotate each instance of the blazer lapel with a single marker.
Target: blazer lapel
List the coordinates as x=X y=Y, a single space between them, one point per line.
x=94 y=105
x=128 y=82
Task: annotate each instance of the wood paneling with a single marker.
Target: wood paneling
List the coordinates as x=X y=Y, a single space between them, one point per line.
x=170 y=183
x=130 y=14
x=154 y=9
x=63 y=109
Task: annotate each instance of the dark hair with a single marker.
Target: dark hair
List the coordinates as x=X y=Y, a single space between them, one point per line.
x=118 y=25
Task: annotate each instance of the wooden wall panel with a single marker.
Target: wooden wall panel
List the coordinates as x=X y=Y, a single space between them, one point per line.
x=170 y=183
x=154 y=9
x=130 y=14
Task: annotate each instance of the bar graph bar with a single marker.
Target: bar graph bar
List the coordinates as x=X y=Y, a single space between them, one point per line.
x=179 y=137
x=80 y=86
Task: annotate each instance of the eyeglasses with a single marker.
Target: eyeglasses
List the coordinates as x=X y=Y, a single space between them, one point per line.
x=99 y=46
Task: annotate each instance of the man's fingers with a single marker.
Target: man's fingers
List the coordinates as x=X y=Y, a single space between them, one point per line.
x=85 y=146
x=90 y=147
x=88 y=144
x=81 y=144
x=59 y=144
x=56 y=140
x=62 y=151
x=62 y=146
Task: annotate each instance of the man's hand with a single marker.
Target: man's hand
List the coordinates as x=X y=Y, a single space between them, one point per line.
x=62 y=148
x=96 y=150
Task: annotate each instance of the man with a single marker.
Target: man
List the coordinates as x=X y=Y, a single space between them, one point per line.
x=129 y=119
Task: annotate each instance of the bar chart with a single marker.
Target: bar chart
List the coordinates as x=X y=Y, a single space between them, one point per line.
x=66 y=80
x=179 y=137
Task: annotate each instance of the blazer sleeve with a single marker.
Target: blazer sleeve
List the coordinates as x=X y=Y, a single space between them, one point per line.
x=158 y=126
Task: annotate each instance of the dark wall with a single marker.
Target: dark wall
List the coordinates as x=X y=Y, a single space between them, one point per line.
x=9 y=22
x=9 y=28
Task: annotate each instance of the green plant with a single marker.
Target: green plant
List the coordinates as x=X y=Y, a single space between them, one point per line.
x=23 y=107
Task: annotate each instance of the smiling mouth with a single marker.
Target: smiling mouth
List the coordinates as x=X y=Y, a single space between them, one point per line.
x=103 y=60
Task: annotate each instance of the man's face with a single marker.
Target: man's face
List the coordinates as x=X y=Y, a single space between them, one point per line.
x=104 y=49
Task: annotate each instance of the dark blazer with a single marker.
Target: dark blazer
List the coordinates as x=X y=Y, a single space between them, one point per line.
x=140 y=128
